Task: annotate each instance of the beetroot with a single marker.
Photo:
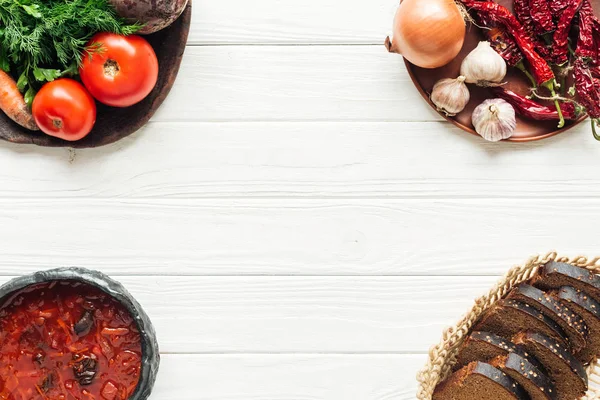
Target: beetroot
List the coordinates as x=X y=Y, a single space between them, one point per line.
x=154 y=14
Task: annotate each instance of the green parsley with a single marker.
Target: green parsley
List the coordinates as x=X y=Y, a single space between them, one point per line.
x=42 y=40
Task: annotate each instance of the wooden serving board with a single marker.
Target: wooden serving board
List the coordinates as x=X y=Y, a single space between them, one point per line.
x=113 y=124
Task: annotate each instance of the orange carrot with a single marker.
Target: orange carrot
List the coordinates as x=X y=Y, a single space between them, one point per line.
x=13 y=104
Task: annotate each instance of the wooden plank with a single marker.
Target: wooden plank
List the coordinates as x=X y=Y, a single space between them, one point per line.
x=308 y=160
x=325 y=315
x=297 y=237
x=299 y=83
x=288 y=377
x=284 y=22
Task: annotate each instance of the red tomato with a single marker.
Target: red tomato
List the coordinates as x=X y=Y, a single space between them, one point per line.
x=122 y=71
x=64 y=109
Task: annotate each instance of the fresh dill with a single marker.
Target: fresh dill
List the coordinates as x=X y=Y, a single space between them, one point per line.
x=42 y=40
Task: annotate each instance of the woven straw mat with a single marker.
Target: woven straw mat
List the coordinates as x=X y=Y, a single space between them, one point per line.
x=443 y=355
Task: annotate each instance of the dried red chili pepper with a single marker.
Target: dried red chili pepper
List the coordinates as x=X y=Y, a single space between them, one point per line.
x=540 y=68
x=586 y=69
x=533 y=110
x=588 y=92
x=596 y=56
x=542 y=72
x=587 y=89
x=522 y=12
x=560 y=48
x=501 y=41
x=596 y=37
x=585 y=43
x=541 y=16
x=556 y=6
x=504 y=45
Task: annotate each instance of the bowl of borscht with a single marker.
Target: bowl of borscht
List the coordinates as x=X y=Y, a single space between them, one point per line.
x=73 y=333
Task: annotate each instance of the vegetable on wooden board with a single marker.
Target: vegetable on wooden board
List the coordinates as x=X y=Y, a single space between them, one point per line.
x=450 y=96
x=522 y=10
x=154 y=15
x=560 y=46
x=587 y=85
x=586 y=48
x=122 y=72
x=64 y=109
x=557 y=6
x=43 y=40
x=588 y=92
x=429 y=33
x=501 y=41
x=531 y=109
x=494 y=120
x=483 y=66
x=13 y=104
x=504 y=44
x=540 y=68
x=541 y=16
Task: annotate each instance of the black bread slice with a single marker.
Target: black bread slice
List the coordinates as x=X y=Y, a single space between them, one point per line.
x=589 y=309
x=479 y=381
x=484 y=346
x=509 y=317
x=568 y=374
x=534 y=381
x=570 y=322
x=554 y=275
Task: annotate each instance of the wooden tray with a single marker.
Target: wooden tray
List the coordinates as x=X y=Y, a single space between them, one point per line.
x=113 y=124
x=527 y=129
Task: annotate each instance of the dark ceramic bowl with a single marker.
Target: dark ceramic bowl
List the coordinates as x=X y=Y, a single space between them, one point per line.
x=113 y=124
x=150 y=354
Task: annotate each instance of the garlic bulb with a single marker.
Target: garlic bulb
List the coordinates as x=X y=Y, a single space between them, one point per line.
x=450 y=96
x=483 y=66
x=494 y=120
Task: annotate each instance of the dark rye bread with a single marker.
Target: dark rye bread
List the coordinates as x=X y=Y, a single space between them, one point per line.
x=534 y=381
x=509 y=317
x=479 y=381
x=568 y=374
x=484 y=346
x=589 y=309
x=570 y=322
x=554 y=275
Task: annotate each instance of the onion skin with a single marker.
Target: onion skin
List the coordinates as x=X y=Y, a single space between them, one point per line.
x=428 y=33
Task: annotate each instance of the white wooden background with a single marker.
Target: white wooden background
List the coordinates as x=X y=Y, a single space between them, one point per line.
x=296 y=220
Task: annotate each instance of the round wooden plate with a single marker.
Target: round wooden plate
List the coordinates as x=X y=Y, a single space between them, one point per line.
x=527 y=129
x=113 y=124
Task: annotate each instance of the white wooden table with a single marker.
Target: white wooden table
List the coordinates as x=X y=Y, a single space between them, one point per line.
x=295 y=219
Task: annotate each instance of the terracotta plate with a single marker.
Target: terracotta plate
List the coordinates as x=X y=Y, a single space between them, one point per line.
x=527 y=130
x=113 y=124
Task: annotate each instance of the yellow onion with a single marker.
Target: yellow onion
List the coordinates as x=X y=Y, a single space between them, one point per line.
x=428 y=33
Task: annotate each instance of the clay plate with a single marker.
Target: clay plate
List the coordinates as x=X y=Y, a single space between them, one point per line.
x=527 y=130
x=113 y=124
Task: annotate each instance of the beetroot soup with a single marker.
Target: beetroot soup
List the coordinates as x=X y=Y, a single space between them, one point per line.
x=66 y=340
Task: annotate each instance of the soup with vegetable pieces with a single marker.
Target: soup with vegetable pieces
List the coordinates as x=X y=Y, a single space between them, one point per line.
x=66 y=340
